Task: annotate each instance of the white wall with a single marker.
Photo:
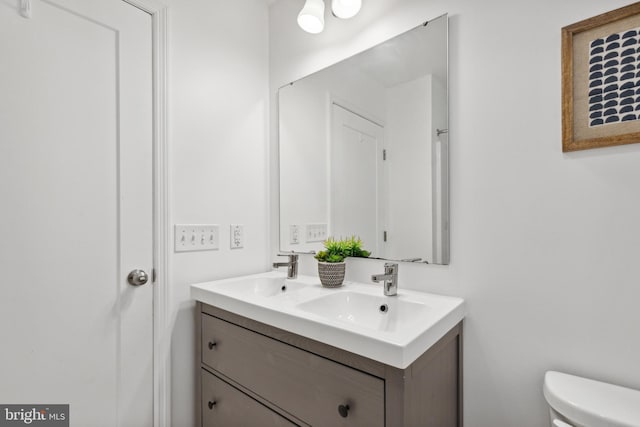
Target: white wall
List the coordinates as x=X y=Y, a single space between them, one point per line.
x=219 y=157
x=409 y=168
x=544 y=245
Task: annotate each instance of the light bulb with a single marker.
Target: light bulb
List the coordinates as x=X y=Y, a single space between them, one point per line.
x=345 y=9
x=311 y=17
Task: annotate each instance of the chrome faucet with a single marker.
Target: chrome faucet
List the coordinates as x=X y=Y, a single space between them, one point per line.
x=292 y=265
x=389 y=279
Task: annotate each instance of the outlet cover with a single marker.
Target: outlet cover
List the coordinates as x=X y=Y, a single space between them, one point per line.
x=294 y=234
x=237 y=236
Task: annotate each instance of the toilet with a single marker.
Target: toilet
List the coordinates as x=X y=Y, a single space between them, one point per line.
x=580 y=402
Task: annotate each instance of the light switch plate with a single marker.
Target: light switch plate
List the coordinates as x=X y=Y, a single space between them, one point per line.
x=316 y=232
x=196 y=237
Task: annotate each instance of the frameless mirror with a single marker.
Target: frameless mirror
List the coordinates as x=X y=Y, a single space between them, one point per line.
x=364 y=150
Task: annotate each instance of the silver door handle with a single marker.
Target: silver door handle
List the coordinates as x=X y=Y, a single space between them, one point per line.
x=137 y=278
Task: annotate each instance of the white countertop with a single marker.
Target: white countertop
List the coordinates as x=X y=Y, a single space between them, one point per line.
x=348 y=317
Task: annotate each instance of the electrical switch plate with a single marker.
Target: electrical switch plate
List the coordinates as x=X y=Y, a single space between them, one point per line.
x=294 y=234
x=316 y=232
x=237 y=236
x=197 y=237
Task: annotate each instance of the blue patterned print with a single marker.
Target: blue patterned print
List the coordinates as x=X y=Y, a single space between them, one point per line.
x=614 y=78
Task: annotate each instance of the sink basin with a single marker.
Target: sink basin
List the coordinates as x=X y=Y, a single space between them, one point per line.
x=260 y=286
x=368 y=311
x=356 y=317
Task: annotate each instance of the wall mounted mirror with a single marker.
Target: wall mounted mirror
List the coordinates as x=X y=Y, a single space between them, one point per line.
x=363 y=150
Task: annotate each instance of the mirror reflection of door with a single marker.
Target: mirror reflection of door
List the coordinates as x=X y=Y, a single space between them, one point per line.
x=356 y=165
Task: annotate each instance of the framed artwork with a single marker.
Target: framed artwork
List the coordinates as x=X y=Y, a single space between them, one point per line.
x=601 y=80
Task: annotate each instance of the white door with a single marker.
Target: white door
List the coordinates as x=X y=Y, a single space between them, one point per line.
x=76 y=209
x=356 y=173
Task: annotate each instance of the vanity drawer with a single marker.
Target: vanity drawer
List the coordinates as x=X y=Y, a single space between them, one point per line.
x=306 y=385
x=225 y=406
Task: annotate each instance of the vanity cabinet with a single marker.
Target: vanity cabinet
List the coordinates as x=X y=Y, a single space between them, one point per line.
x=253 y=374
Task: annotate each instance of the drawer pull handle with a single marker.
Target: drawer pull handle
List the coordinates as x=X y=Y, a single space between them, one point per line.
x=212 y=344
x=343 y=410
x=211 y=404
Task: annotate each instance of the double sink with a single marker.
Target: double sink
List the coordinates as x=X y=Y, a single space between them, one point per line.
x=356 y=317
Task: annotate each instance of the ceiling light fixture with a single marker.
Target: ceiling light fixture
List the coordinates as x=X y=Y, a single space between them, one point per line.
x=345 y=9
x=311 y=17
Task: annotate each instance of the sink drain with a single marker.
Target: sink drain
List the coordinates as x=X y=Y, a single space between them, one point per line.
x=384 y=308
x=283 y=288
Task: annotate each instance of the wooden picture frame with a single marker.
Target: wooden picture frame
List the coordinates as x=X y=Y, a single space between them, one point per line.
x=600 y=101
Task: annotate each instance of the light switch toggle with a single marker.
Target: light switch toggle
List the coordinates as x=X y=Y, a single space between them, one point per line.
x=196 y=237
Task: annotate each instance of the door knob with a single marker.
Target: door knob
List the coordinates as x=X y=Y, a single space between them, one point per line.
x=137 y=278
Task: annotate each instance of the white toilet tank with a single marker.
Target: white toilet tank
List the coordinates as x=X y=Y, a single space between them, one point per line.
x=580 y=402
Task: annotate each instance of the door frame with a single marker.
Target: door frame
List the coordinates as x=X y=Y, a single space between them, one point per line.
x=161 y=213
x=363 y=113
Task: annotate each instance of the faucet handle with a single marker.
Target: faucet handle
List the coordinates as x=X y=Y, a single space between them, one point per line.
x=390 y=273
x=390 y=268
x=292 y=257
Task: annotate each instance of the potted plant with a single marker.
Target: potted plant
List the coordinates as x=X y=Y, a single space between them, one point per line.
x=331 y=265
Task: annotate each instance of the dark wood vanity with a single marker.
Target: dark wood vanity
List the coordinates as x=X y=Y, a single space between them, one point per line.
x=252 y=374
